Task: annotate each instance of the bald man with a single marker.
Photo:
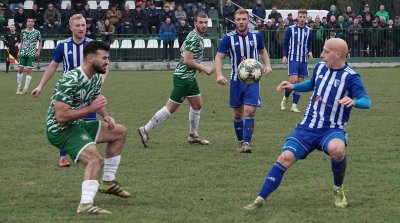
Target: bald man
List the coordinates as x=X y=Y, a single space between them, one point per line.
x=336 y=89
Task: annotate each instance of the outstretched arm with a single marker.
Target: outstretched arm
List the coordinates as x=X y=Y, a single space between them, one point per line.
x=48 y=74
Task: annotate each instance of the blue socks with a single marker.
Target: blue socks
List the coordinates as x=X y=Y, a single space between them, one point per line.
x=287 y=93
x=296 y=97
x=339 y=171
x=273 y=180
x=248 y=129
x=238 y=125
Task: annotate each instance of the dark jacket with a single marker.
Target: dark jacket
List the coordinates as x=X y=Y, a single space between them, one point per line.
x=259 y=11
x=153 y=17
x=183 y=31
x=139 y=17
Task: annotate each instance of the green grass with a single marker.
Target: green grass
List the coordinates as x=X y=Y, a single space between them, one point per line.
x=173 y=181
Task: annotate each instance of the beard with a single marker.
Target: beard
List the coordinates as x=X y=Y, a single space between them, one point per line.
x=99 y=69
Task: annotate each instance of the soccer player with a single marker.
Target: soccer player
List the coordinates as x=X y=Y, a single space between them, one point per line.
x=77 y=94
x=242 y=44
x=296 y=48
x=336 y=89
x=185 y=84
x=31 y=44
x=70 y=52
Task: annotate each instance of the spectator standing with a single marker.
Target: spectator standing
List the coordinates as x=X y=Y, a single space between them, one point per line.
x=332 y=25
x=5 y=14
x=375 y=39
x=127 y=18
x=107 y=32
x=114 y=15
x=290 y=19
x=382 y=13
x=180 y=14
x=258 y=10
x=183 y=31
x=191 y=15
x=52 y=18
x=270 y=36
x=99 y=15
x=65 y=15
x=333 y=12
x=139 y=20
x=274 y=13
x=391 y=38
x=318 y=36
x=349 y=12
x=11 y=41
x=228 y=14
x=341 y=32
x=153 y=18
x=366 y=11
x=167 y=13
x=355 y=32
x=20 y=19
x=168 y=35
x=37 y=16
x=78 y=5
x=87 y=14
x=15 y=5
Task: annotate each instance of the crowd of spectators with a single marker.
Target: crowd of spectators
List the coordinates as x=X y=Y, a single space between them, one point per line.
x=367 y=32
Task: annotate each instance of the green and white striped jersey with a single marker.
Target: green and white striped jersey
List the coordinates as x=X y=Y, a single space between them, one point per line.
x=75 y=89
x=29 y=41
x=194 y=44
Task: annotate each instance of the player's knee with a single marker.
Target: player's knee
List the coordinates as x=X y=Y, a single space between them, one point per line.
x=249 y=112
x=123 y=131
x=337 y=150
x=286 y=158
x=197 y=107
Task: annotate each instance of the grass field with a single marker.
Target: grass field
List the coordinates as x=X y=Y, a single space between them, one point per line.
x=173 y=181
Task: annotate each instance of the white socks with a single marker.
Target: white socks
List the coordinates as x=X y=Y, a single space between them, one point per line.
x=89 y=189
x=110 y=167
x=194 y=120
x=157 y=119
x=19 y=78
x=27 y=81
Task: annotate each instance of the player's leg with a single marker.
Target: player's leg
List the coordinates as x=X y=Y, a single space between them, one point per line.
x=291 y=152
x=28 y=78
x=292 y=73
x=115 y=139
x=20 y=74
x=302 y=73
x=194 y=120
x=179 y=92
x=236 y=103
x=335 y=145
x=251 y=100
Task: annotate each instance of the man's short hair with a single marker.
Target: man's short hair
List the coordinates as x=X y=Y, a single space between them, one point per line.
x=93 y=46
x=241 y=11
x=302 y=11
x=200 y=15
x=75 y=17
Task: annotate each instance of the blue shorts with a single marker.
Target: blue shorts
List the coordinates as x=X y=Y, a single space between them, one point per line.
x=297 y=68
x=244 y=94
x=90 y=117
x=302 y=141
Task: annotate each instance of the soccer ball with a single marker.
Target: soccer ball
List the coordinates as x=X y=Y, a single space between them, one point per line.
x=250 y=71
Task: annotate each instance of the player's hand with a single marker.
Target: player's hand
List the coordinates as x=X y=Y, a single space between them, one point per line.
x=221 y=80
x=309 y=55
x=110 y=122
x=35 y=93
x=346 y=101
x=285 y=85
x=98 y=103
x=267 y=70
x=284 y=60
x=208 y=70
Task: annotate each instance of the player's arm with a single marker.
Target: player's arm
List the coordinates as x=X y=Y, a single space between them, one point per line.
x=37 y=53
x=285 y=45
x=189 y=61
x=64 y=113
x=20 y=48
x=48 y=74
x=267 y=63
x=309 y=44
x=359 y=97
x=218 y=68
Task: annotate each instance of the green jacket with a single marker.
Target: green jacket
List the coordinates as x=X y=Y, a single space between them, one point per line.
x=383 y=14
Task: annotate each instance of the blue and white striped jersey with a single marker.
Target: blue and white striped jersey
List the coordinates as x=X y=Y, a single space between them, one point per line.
x=297 y=43
x=70 y=53
x=330 y=86
x=241 y=48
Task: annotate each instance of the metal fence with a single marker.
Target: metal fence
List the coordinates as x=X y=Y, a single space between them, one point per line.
x=363 y=44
